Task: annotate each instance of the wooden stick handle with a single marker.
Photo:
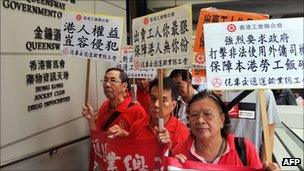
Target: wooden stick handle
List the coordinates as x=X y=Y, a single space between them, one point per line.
x=86 y=98
x=265 y=125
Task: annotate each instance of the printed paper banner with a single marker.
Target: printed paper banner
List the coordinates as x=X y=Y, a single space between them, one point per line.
x=126 y=64
x=125 y=154
x=173 y=164
x=198 y=76
x=255 y=54
x=163 y=39
x=91 y=36
x=213 y=15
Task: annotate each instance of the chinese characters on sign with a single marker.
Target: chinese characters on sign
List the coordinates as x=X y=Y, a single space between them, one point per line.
x=43 y=35
x=213 y=15
x=133 y=155
x=47 y=76
x=126 y=64
x=255 y=54
x=163 y=40
x=91 y=36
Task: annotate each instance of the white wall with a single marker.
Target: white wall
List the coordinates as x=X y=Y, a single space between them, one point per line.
x=25 y=132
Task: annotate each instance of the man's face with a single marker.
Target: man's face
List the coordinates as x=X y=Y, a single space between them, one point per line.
x=113 y=86
x=168 y=103
x=143 y=83
x=182 y=85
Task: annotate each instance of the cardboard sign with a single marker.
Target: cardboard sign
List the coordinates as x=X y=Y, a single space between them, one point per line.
x=255 y=54
x=213 y=15
x=91 y=36
x=163 y=39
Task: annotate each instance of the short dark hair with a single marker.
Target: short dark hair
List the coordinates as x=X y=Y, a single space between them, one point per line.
x=181 y=72
x=122 y=75
x=167 y=85
x=201 y=95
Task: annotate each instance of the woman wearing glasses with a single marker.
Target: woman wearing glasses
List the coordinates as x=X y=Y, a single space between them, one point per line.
x=210 y=140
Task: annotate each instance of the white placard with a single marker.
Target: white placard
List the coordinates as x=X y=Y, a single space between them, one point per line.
x=163 y=39
x=255 y=54
x=91 y=36
x=126 y=64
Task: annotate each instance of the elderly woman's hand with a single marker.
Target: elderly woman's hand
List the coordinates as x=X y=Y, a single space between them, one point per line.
x=182 y=158
x=270 y=166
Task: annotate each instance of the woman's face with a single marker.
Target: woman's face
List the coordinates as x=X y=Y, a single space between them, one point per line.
x=205 y=118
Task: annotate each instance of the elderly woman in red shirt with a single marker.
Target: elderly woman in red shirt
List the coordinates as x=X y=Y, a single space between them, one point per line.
x=210 y=140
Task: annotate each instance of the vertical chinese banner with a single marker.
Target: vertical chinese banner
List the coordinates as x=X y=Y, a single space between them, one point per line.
x=213 y=15
x=91 y=36
x=163 y=39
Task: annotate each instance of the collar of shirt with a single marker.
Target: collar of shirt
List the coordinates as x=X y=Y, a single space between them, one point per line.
x=180 y=98
x=216 y=160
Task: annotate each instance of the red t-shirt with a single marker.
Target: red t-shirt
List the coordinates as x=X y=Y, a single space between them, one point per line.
x=143 y=98
x=229 y=158
x=127 y=117
x=142 y=130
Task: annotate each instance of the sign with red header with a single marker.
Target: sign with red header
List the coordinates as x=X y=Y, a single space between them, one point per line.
x=213 y=15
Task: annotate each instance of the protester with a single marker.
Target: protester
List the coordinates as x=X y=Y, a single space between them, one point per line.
x=143 y=92
x=210 y=140
x=186 y=91
x=115 y=85
x=149 y=127
x=246 y=114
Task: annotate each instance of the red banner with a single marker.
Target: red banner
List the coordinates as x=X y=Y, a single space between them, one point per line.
x=125 y=154
x=171 y=163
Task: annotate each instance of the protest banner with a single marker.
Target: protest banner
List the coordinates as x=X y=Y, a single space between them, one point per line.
x=255 y=54
x=110 y=154
x=163 y=39
x=126 y=63
x=213 y=15
x=173 y=164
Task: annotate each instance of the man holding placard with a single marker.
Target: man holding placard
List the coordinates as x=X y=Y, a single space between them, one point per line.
x=149 y=127
x=115 y=85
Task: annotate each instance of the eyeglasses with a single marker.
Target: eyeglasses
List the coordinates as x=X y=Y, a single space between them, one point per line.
x=110 y=81
x=196 y=115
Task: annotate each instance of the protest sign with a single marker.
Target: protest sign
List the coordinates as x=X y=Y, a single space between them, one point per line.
x=91 y=36
x=126 y=63
x=173 y=164
x=255 y=54
x=213 y=15
x=110 y=154
x=163 y=39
